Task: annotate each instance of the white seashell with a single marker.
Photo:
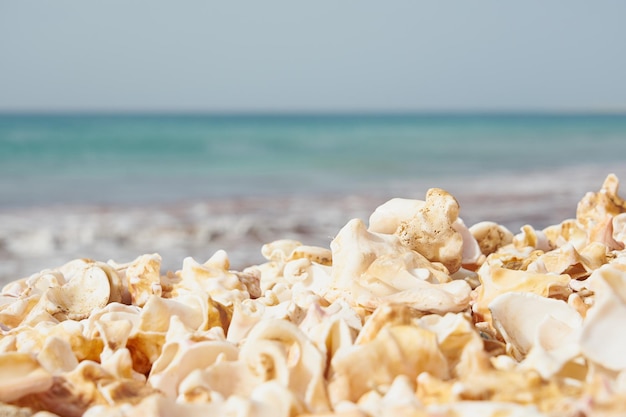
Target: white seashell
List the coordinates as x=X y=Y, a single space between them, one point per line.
x=388 y=216
x=490 y=236
x=430 y=231
x=529 y=237
x=518 y=316
x=599 y=340
x=567 y=260
x=40 y=283
x=399 y=399
x=314 y=254
x=56 y=356
x=485 y=409
x=245 y=315
x=144 y=278
x=471 y=253
x=222 y=285
x=496 y=281
x=20 y=375
x=87 y=288
x=568 y=231
x=396 y=350
x=14 y=311
x=375 y=267
x=619 y=228
x=278 y=350
x=594 y=208
x=179 y=358
x=279 y=250
x=459 y=342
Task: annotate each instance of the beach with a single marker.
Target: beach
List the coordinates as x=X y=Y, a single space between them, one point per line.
x=41 y=237
x=116 y=187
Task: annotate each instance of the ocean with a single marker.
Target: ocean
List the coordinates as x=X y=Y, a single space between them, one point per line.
x=86 y=184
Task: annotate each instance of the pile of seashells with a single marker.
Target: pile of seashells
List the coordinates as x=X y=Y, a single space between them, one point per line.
x=415 y=314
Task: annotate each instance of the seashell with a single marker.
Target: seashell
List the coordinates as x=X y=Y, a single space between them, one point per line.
x=87 y=288
x=490 y=236
x=567 y=260
x=471 y=253
x=529 y=237
x=57 y=356
x=278 y=350
x=40 y=283
x=496 y=281
x=399 y=400
x=73 y=332
x=212 y=278
x=304 y=275
x=452 y=296
x=315 y=254
x=272 y=399
x=143 y=276
x=387 y=271
x=179 y=358
x=485 y=409
x=251 y=280
x=387 y=217
x=21 y=375
x=555 y=350
x=458 y=341
x=245 y=315
x=602 y=233
x=15 y=288
x=114 y=335
x=568 y=231
x=594 y=208
x=430 y=231
x=619 y=229
x=332 y=336
x=192 y=309
x=520 y=318
x=396 y=350
x=86 y=386
x=279 y=250
x=119 y=364
x=599 y=340
x=14 y=311
x=385 y=315
x=355 y=249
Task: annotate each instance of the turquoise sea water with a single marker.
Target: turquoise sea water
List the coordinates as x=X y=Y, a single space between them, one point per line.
x=119 y=159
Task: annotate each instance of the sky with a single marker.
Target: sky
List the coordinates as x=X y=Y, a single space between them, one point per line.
x=316 y=56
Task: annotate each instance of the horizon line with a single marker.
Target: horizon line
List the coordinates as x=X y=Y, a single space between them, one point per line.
x=313 y=112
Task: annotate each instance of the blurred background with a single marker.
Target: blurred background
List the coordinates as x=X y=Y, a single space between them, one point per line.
x=129 y=127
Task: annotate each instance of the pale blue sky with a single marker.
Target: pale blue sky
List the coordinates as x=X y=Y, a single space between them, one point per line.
x=323 y=55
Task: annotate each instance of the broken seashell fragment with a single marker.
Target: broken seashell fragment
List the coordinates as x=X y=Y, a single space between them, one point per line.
x=88 y=288
x=387 y=217
x=431 y=233
x=21 y=375
x=396 y=350
x=495 y=281
x=213 y=278
x=144 y=278
x=315 y=254
x=594 y=208
x=519 y=316
x=279 y=250
x=599 y=341
x=568 y=231
x=490 y=236
x=529 y=237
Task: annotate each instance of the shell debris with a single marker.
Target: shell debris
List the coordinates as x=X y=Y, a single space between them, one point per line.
x=413 y=314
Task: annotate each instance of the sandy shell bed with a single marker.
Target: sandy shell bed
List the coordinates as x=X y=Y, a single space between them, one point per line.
x=414 y=313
